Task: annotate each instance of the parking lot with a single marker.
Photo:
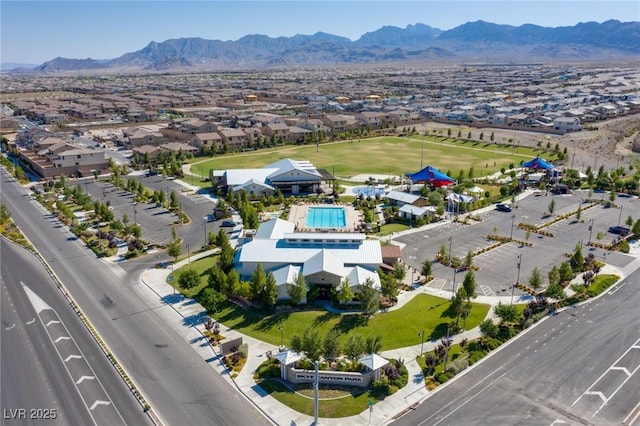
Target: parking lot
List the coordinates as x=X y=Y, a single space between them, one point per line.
x=498 y=268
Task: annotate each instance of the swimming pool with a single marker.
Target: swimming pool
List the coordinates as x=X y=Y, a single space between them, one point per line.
x=326 y=217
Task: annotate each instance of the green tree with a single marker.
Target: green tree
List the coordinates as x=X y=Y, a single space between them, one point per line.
x=554 y=276
x=297 y=290
x=577 y=260
x=373 y=344
x=211 y=299
x=258 y=282
x=345 y=295
x=535 y=280
x=426 y=268
x=469 y=285
x=233 y=285
x=629 y=221
x=225 y=259
x=368 y=297
x=311 y=344
x=331 y=346
x=189 y=278
x=552 y=206
x=270 y=291
x=216 y=279
x=555 y=291
x=636 y=228
x=566 y=273
x=469 y=258
x=175 y=249
x=579 y=213
x=389 y=285
x=489 y=328
x=173 y=201
x=507 y=313
x=355 y=347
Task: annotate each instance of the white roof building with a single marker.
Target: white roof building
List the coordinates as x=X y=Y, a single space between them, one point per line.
x=325 y=259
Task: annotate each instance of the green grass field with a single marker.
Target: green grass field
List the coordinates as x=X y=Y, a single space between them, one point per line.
x=383 y=155
x=397 y=328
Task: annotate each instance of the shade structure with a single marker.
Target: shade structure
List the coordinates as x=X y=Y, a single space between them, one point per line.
x=537 y=163
x=432 y=176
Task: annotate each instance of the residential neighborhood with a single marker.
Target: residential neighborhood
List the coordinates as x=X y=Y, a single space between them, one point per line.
x=221 y=115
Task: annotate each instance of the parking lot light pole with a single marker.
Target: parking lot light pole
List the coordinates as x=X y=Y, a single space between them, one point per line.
x=450 y=241
x=204 y=227
x=517 y=278
x=135 y=212
x=513 y=219
x=620 y=216
x=590 y=231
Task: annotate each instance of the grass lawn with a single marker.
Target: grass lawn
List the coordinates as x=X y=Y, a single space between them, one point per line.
x=328 y=408
x=200 y=265
x=601 y=283
x=397 y=328
x=390 y=228
x=383 y=155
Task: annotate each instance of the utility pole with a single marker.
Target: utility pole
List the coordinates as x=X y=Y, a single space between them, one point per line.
x=517 y=278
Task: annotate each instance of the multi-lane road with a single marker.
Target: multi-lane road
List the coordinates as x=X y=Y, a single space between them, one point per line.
x=581 y=366
x=52 y=368
x=178 y=383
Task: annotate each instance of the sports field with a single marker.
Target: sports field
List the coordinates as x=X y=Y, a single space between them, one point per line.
x=383 y=155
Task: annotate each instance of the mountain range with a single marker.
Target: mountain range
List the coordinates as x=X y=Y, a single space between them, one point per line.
x=480 y=42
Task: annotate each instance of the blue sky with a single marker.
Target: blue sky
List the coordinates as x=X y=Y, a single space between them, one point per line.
x=36 y=31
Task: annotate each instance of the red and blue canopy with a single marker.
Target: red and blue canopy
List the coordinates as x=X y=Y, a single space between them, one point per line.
x=432 y=176
x=537 y=163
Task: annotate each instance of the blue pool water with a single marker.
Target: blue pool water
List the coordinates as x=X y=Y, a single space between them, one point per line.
x=326 y=217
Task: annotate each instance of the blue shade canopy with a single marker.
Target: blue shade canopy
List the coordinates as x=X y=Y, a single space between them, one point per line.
x=537 y=163
x=432 y=176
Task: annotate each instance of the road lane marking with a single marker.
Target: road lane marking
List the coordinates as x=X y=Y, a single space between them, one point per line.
x=470 y=399
x=30 y=322
x=51 y=322
x=70 y=357
x=633 y=415
x=98 y=402
x=83 y=378
x=39 y=305
x=623 y=369
x=13 y=324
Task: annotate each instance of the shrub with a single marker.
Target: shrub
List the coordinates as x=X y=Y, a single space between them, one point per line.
x=380 y=388
x=268 y=369
x=476 y=356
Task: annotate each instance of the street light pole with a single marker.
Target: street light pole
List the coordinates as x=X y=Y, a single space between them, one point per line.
x=513 y=218
x=421 y=334
x=281 y=328
x=135 y=218
x=620 y=216
x=517 y=278
x=204 y=227
x=188 y=255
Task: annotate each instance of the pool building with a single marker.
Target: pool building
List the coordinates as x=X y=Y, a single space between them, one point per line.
x=325 y=259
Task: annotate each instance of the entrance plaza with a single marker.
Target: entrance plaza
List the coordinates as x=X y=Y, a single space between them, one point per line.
x=298 y=215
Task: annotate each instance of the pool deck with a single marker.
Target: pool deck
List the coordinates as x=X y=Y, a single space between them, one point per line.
x=298 y=215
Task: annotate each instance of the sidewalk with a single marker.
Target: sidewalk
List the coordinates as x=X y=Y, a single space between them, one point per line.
x=187 y=317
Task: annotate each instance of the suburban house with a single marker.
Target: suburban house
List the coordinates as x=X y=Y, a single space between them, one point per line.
x=235 y=139
x=53 y=157
x=287 y=175
x=412 y=206
x=567 y=124
x=324 y=259
x=210 y=141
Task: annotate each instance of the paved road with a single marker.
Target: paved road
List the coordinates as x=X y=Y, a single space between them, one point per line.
x=51 y=366
x=581 y=366
x=178 y=383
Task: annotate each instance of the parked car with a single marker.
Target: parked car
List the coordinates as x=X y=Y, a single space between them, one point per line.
x=228 y=223
x=620 y=230
x=503 y=207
